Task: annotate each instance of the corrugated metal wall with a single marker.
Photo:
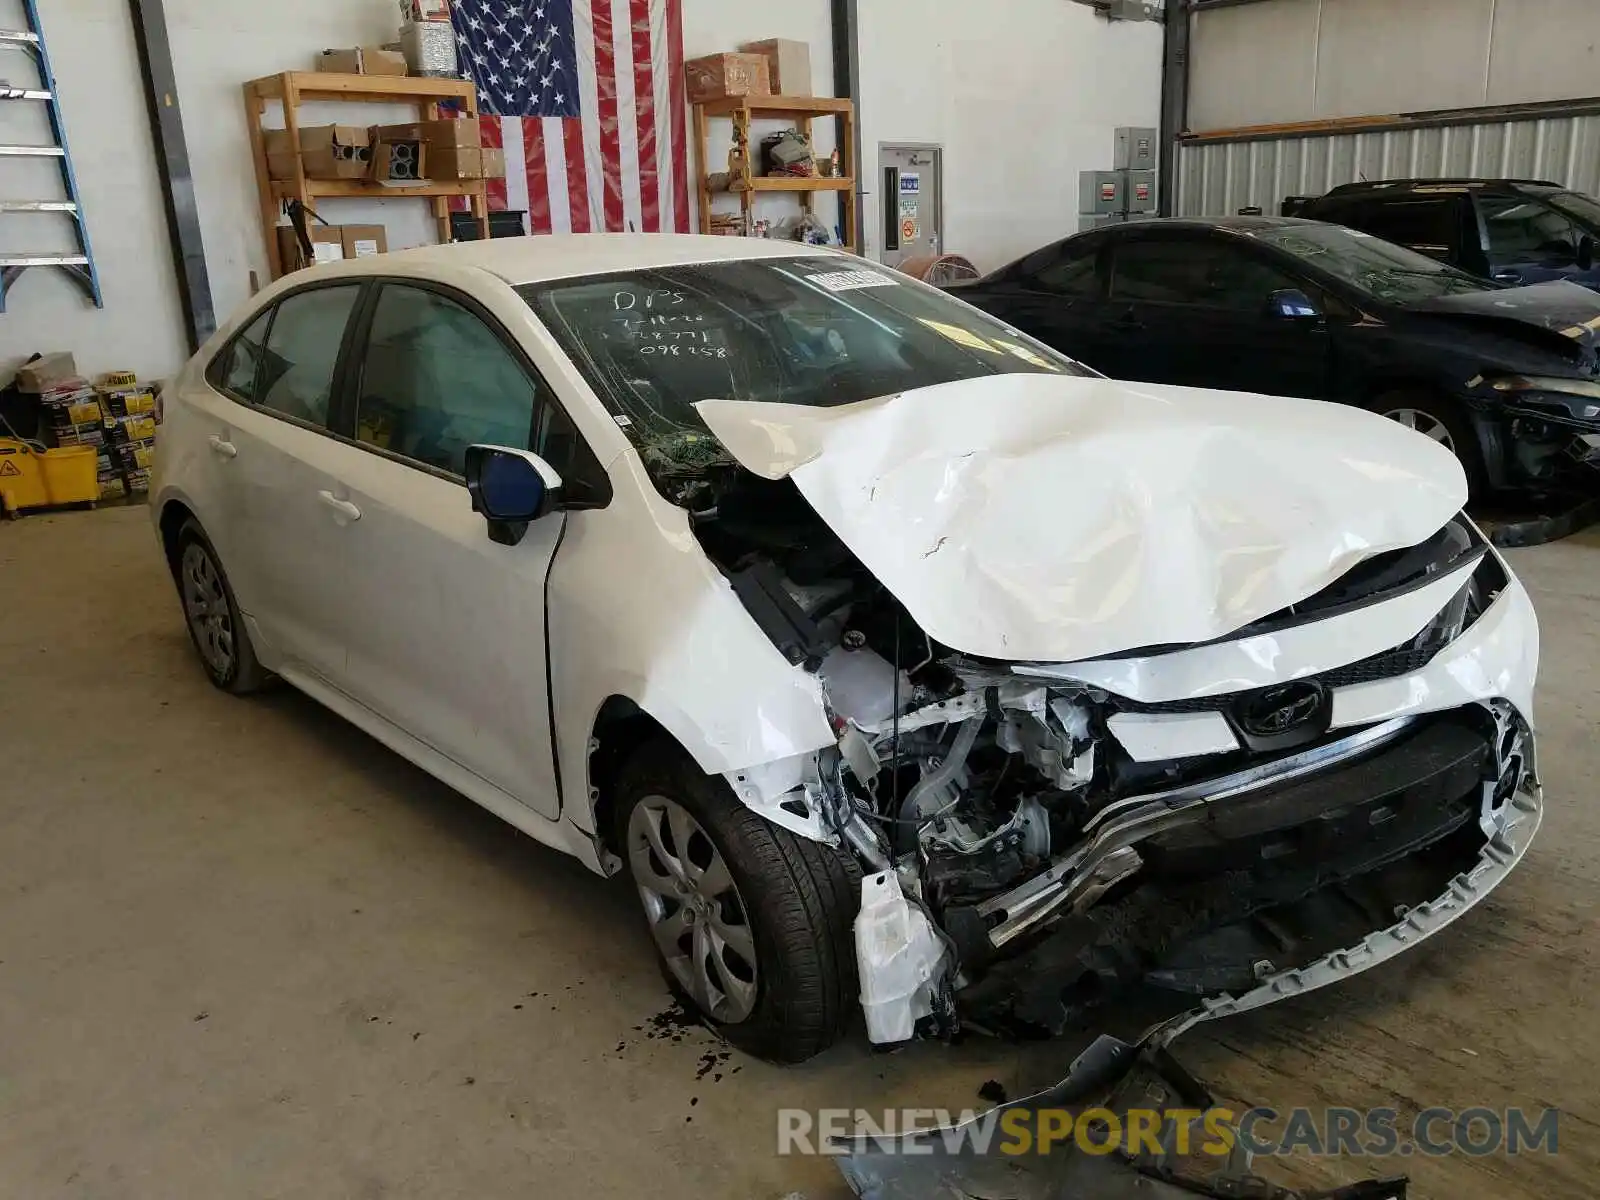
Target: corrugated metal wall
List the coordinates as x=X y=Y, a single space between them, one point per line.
x=1219 y=178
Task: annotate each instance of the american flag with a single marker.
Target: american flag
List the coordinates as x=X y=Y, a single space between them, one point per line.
x=586 y=99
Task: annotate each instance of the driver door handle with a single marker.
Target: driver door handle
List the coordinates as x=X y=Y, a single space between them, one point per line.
x=343 y=507
x=222 y=446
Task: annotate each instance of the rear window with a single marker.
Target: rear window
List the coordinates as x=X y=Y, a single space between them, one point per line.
x=817 y=330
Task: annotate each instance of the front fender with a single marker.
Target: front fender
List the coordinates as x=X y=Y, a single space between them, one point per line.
x=637 y=610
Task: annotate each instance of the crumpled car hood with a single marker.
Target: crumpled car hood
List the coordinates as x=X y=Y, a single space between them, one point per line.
x=1049 y=517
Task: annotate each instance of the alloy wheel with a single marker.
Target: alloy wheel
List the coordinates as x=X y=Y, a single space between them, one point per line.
x=205 y=603
x=696 y=914
x=1424 y=423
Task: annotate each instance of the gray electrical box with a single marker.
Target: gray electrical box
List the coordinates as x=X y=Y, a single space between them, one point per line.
x=1133 y=10
x=1141 y=191
x=1136 y=148
x=1102 y=192
x=1100 y=221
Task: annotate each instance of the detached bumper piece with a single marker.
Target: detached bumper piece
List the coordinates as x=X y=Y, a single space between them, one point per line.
x=1112 y=1075
x=1263 y=884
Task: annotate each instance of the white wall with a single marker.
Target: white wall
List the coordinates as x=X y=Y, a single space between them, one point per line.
x=1021 y=102
x=97 y=71
x=219 y=44
x=1021 y=97
x=1302 y=60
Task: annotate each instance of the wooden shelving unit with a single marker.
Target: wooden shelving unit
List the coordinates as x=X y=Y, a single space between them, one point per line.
x=801 y=111
x=293 y=88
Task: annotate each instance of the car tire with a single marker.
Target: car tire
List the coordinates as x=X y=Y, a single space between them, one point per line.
x=1446 y=422
x=795 y=898
x=212 y=614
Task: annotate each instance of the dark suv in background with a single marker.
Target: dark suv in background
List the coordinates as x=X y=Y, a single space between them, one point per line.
x=1511 y=230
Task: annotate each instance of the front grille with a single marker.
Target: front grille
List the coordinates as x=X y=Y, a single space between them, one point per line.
x=1387 y=664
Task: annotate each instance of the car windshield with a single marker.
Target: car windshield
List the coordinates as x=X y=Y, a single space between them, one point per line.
x=1379 y=268
x=1585 y=210
x=813 y=330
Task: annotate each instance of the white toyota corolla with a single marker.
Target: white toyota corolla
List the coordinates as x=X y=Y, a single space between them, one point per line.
x=898 y=659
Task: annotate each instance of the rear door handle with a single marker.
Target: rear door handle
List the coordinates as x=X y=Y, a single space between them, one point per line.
x=1508 y=276
x=343 y=507
x=223 y=447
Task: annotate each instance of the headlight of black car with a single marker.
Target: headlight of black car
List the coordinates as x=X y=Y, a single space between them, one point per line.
x=1566 y=401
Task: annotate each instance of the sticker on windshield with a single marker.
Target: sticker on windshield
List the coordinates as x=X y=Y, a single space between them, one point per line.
x=621 y=420
x=845 y=281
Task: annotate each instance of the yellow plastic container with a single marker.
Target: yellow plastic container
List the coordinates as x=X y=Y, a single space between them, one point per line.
x=33 y=478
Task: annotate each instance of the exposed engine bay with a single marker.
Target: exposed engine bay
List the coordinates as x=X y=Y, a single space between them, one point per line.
x=1036 y=844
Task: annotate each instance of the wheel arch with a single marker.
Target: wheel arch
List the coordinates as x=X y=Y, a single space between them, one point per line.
x=619 y=727
x=174 y=513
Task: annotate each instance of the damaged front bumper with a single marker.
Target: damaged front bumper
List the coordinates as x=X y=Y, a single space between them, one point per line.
x=1120 y=1078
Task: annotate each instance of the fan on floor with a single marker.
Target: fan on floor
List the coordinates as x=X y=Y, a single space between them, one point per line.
x=940 y=269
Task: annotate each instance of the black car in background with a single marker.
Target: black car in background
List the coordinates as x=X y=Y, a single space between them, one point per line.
x=1507 y=378
x=1509 y=230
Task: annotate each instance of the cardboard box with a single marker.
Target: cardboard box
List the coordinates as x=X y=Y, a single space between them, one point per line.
x=788 y=64
x=400 y=162
x=45 y=372
x=279 y=147
x=455 y=162
x=281 y=166
x=719 y=75
x=439 y=135
x=336 y=152
x=125 y=431
x=134 y=401
x=363 y=60
x=327 y=245
x=135 y=456
x=494 y=162
x=361 y=241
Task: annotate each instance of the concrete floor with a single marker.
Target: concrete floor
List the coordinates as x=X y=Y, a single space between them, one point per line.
x=247 y=952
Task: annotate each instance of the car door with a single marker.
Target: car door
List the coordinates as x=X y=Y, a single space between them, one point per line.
x=1527 y=241
x=444 y=629
x=1192 y=308
x=280 y=462
x=1053 y=294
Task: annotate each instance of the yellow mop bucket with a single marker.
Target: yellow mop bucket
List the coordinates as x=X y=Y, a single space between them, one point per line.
x=35 y=478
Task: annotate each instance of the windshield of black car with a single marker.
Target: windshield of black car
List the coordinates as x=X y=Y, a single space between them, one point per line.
x=1379 y=268
x=813 y=330
x=1585 y=210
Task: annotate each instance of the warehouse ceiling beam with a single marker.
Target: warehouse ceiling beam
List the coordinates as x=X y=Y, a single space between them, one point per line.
x=172 y=159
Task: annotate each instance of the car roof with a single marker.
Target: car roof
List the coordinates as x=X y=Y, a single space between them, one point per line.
x=562 y=256
x=1232 y=224
x=1368 y=187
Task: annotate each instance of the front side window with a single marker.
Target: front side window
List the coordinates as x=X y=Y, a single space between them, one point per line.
x=302 y=351
x=236 y=369
x=436 y=380
x=1523 y=230
x=1196 y=272
x=814 y=330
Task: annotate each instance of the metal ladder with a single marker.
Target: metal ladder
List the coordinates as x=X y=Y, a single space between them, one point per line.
x=80 y=266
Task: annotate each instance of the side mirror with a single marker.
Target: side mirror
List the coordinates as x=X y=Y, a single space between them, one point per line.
x=1586 y=252
x=1291 y=304
x=511 y=488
